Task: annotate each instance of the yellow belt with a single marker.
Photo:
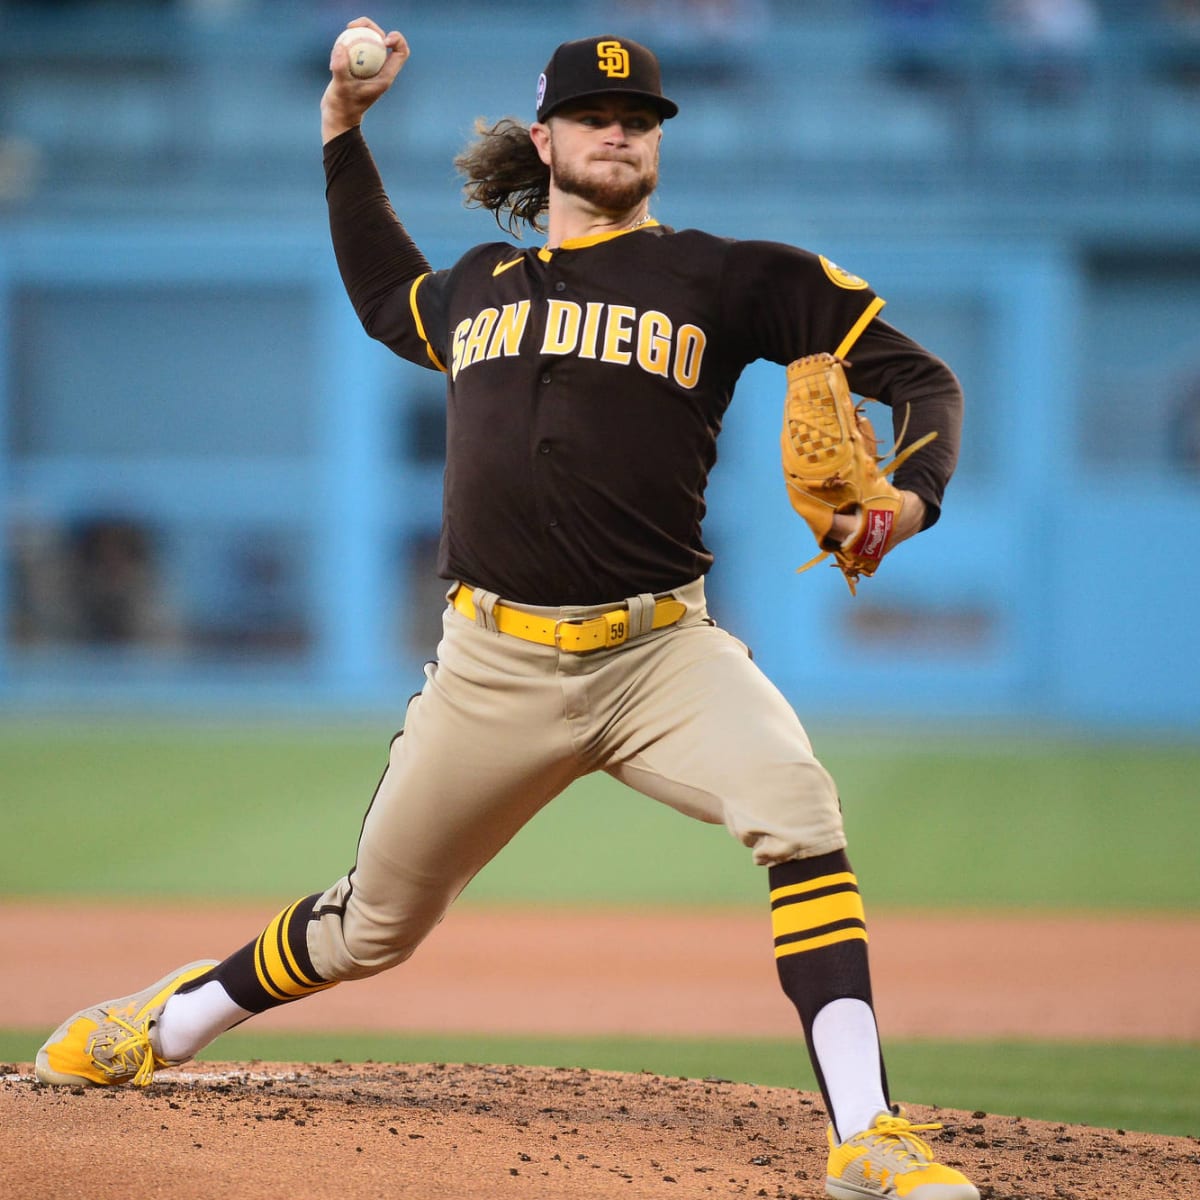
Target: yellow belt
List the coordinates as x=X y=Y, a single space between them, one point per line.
x=575 y=635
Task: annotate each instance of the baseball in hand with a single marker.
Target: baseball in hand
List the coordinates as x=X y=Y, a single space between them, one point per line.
x=367 y=51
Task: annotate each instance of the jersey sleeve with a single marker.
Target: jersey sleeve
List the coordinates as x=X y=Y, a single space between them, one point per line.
x=784 y=303
x=385 y=274
x=781 y=303
x=924 y=395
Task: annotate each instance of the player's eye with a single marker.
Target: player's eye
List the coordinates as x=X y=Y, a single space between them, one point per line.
x=630 y=122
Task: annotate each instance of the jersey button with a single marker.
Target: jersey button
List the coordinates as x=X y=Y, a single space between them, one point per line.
x=544 y=448
x=560 y=286
x=545 y=378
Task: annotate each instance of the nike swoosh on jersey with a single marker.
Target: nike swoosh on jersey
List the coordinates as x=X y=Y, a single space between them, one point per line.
x=500 y=268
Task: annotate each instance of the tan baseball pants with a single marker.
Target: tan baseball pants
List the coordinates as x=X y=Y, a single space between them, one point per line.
x=503 y=725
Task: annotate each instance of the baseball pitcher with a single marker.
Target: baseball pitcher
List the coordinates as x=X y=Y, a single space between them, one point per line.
x=587 y=377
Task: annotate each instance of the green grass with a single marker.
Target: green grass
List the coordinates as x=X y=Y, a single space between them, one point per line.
x=174 y=809
x=1151 y=1088
x=178 y=810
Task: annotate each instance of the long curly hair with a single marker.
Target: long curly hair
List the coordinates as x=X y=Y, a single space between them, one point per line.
x=505 y=175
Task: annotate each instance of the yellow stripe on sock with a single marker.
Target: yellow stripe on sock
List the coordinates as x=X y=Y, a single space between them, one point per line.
x=826 y=939
x=306 y=981
x=801 y=915
x=273 y=969
x=262 y=955
x=814 y=885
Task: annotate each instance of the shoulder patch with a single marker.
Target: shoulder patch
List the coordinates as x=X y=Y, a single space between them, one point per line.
x=843 y=279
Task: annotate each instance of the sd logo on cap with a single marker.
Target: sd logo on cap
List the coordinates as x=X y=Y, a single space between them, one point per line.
x=594 y=66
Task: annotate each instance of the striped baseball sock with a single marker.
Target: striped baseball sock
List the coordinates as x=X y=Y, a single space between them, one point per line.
x=821 y=954
x=273 y=969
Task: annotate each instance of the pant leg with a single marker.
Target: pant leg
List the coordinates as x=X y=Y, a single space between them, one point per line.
x=483 y=749
x=702 y=729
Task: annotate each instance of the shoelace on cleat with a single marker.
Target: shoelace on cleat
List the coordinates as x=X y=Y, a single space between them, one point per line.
x=134 y=1050
x=903 y=1131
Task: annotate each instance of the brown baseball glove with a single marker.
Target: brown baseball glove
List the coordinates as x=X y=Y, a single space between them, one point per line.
x=831 y=465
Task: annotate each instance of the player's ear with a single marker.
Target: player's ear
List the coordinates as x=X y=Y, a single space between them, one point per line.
x=539 y=134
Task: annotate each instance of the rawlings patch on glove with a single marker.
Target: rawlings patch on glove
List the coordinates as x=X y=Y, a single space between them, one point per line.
x=831 y=466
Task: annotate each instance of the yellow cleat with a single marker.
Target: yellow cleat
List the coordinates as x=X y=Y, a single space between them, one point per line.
x=889 y=1160
x=110 y=1043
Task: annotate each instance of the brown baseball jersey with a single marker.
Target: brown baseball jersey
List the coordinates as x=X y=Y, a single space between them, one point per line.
x=587 y=383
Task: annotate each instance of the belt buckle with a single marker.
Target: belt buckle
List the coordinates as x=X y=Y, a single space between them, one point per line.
x=558 y=624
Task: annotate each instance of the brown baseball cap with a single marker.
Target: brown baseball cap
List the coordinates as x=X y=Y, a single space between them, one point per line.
x=599 y=65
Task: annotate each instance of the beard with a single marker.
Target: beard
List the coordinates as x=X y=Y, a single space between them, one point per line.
x=606 y=193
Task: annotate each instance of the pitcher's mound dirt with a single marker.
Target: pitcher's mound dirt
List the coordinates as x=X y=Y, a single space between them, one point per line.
x=362 y=1132
x=366 y=1132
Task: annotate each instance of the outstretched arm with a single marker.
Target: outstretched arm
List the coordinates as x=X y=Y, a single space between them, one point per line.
x=347 y=98
x=377 y=258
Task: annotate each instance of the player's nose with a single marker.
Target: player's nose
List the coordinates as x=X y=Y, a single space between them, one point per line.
x=615 y=129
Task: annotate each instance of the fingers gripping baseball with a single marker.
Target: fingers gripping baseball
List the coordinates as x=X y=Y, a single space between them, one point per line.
x=346 y=63
x=352 y=87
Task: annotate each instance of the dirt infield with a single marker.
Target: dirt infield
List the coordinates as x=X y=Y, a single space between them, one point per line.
x=480 y=1133
x=426 y=1131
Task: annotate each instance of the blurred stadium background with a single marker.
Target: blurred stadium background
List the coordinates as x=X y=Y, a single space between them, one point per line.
x=216 y=491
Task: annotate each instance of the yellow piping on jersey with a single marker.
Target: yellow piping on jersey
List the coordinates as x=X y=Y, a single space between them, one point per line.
x=856 y=330
x=592 y=239
x=416 y=312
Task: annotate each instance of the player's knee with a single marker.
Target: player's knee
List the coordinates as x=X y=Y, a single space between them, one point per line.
x=349 y=947
x=795 y=814
x=363 y=957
